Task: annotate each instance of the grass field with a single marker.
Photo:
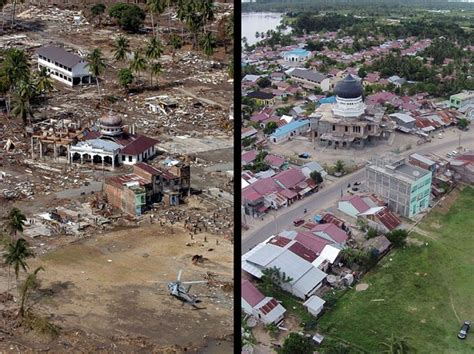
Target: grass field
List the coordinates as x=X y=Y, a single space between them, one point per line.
x=426 y=290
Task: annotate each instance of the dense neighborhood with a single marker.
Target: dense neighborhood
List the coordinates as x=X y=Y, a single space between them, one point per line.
x=317 y=108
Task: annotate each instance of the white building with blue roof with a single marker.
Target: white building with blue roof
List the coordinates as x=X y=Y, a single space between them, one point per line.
x=294 y=128
x=296 y=55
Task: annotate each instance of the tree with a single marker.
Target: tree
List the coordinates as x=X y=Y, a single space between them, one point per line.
x=16 y=254
x=31 y=283
x=362 y=73
x=154 y=49
x=121 y=48
x=463 y=123
x=96 y=65
x=15 y=221
x=98 y=10
x=44 y=82
x=14 y=2
x=155 y=69
x=264 y=82
x=397 y=237
x=273 y=276
x=208 y=44
x=22 y=109
x=316 y=177
x=395 y=345
x=125 y=78
x=339 y=166
x=129 y=16
x=138 y=63
x=15 y=70
x=296 y=343
x=230 y=67
x=371 y=233
x=270 y=128
x=155 y=7
x=176 y=43
x=229 y=31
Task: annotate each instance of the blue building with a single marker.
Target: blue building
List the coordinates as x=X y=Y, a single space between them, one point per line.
x=296 y=55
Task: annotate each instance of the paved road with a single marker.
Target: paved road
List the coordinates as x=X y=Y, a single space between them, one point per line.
x=283 y=219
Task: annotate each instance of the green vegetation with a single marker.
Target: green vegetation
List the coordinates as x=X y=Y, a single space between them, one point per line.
x=296 y=343
x=397 y=237
x=130 y=17
x=98 y=10
x=125 y=78
x=96 y=66
x=316 y=177
x=423 y=293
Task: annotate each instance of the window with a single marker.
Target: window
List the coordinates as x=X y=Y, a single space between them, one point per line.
x=123 y=157
x=129 y=159
x=346 y=128
x=333 y=127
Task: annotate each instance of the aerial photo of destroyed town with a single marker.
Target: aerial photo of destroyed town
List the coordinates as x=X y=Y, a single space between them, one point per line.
x=357 y=176
x=116 y=176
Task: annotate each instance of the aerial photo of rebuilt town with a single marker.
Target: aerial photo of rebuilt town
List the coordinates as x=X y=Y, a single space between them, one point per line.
x=357 y=174
x=116 y=176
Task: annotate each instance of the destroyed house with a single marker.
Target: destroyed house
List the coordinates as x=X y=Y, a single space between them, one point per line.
x=168 y=186
x=128 y=193
x=63 y=66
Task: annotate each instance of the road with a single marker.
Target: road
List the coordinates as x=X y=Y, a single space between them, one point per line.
x=283 y=219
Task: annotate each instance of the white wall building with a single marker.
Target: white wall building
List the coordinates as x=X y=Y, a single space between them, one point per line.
x=63 y=66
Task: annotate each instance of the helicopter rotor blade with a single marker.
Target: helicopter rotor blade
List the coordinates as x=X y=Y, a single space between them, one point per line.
x=194 y=282
x=179 y=275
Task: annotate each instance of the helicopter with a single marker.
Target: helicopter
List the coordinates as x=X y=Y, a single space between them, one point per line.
x=177 y=290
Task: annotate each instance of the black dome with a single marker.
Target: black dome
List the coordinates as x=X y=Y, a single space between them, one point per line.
x=349 y=88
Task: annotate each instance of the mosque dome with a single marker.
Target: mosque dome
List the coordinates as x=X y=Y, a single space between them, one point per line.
x=349 y=88
x=110 y=120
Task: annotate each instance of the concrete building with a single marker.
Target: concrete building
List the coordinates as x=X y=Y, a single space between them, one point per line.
x=461 y=99
x=128 y=193
x=310 y=79
x=406 y=188
x=404 y=121
x=314 y=305
x=347 y=122
x=254 y=303
x=286 y=132
x=111 y=145
x=63 y=66
x=296 y=55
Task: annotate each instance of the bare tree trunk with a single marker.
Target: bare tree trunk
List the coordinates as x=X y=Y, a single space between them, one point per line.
x=98 y=89
x=152 y=24
x=13 y=12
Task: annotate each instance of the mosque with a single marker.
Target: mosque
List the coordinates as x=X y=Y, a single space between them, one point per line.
x=348 y=122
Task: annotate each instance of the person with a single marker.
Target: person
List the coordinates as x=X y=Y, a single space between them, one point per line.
x=349 y=185
x=305 y=210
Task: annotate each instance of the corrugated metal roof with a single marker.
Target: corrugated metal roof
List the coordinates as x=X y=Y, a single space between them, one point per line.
x=59 y=55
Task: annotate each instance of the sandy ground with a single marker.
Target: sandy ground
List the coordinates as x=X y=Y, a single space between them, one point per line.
x=105 y=286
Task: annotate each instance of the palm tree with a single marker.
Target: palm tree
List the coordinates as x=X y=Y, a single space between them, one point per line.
x=15 y=70
x=121 y=46
x=30 y=283
x=14 y=9
x=208 y=43
x=16 y=221
x=176 y=43
x=138 y=63
x=156 y=7
x=43 y=81
x=396 y=345
x=229 y=31
x=97 y=11
x=16 y=255
x=339 y=166
x=206 y=7
x=155 y=69
x=22 y=109
x=96 y=65
x=154 y=49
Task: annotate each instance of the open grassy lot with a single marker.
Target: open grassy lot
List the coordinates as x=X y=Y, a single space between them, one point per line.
x=423 y=294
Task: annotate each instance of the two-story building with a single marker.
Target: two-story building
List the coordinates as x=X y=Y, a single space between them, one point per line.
x=63 y=66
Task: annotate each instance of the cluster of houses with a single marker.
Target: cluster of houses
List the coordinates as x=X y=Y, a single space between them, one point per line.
x=277 y=187
x=309 y=255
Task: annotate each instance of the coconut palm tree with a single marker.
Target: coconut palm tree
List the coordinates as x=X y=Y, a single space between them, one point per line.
x=121 y=46
x=15 y=256
x=14 y=2
x=176 y=43
x=208 y=43
x=154 y=48
x=395 y=345
x=22 y=109
x=96 y=65
x=44 y=83
x=30 y=284
x=15 y=221
x=15 y=70
x=138 y=63
x=156 y=7
x=155 y=69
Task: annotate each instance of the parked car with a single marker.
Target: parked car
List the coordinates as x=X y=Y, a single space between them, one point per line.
x=355 y=189
x=357 y=183
x=298 y=222
x=304 y=155
x=464 y=329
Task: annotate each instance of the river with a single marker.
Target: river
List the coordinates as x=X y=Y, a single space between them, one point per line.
x=258 y=22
